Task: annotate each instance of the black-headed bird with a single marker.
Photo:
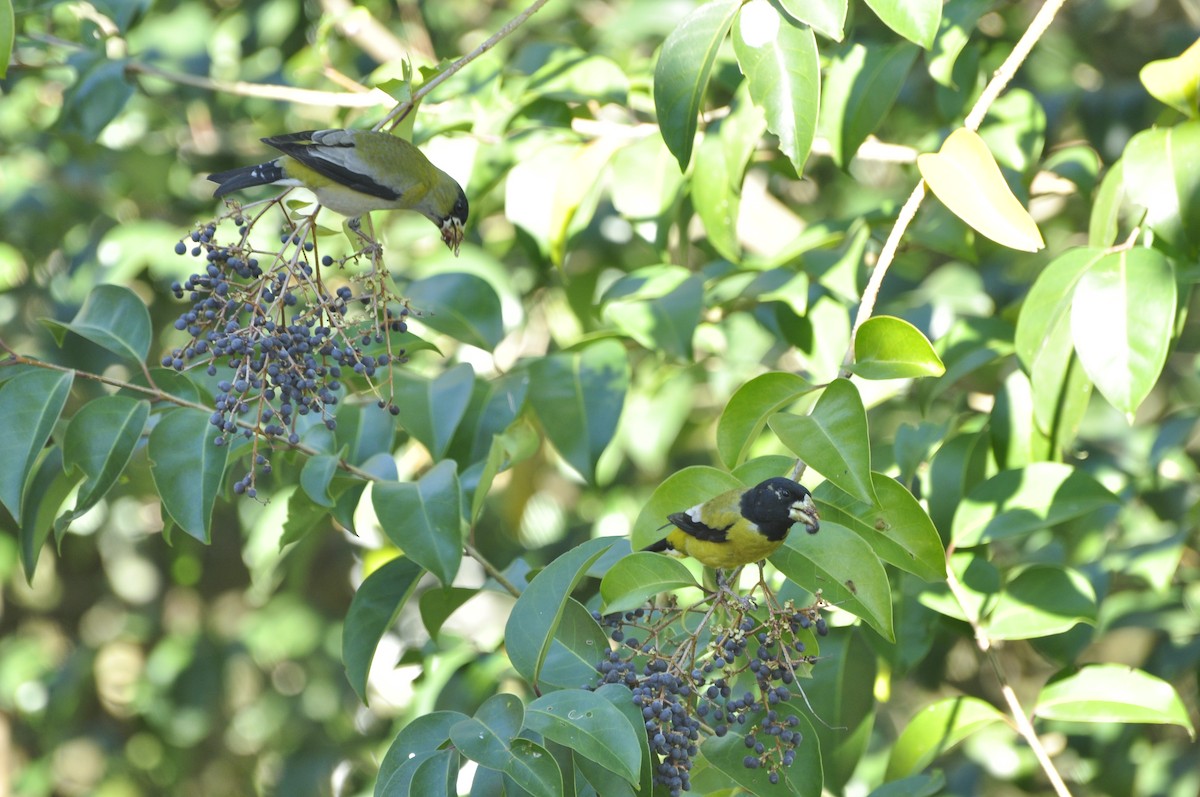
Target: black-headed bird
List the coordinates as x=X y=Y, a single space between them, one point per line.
x=353 y=172
x=740 y=526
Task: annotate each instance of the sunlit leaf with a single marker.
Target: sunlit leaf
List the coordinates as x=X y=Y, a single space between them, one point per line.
x=891 y=348
x=937 y=728
x=1113 y=693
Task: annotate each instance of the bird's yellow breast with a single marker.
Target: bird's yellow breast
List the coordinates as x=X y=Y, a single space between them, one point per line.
x=743 y=546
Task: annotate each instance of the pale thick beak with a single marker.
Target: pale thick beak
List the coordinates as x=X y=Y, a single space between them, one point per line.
x=806 y=512
x=452 y=233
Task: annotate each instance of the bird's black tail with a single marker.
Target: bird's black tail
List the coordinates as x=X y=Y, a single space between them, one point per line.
x=246 y=176
x=662 y=546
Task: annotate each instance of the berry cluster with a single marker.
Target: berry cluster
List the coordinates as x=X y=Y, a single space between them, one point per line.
x=741 y=676
x=284 y=338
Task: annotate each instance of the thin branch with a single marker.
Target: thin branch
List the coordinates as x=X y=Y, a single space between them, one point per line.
x=375 y=98
x=1000 y=79
x=401 y=110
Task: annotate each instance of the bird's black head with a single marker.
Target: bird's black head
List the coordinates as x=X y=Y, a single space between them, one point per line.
x=461 y=209
x=775 y=504
x=452 y=225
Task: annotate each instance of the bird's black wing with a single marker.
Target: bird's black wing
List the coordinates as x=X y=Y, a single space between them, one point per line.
x=697 y=529
x=332 y=156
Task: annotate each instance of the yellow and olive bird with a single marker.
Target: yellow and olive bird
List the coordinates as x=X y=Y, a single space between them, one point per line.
x=740 y=526
x=353 y=172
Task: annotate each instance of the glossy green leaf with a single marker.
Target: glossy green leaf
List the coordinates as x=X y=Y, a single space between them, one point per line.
x=748 y=409
x=915 y=20
x=720 y=168
x=437 y=773
x=935 y=729
x=896 y=528
x=833 y=439
x=487 y=737
x=97 y=97
x=373 y=609
x=802 y=779
x=495 y=404
x=460 y=305
x=1175 y=81
x=30 y=404
x=838 y=562
x=7 y=35
x=780 y=63
x=1113 y=693
x=578 y=397
x=589 y=725
x=681 y=74
x=1016 y=502
x=99 y=442
x=861 y=85
x=1122 y=321
x=1042 y=600
x=187 y=467
x=112 y=317
x=437 y=604
x=48 y=488
x=430 y=409
x=891 y=348
x=660 y=318
x=518 y=443
x=636 y=578
x=680 y=491
x=964 y=176
x=315 y=478
x=619 y=696
x=536 y=615
x=837 y=696
x=827 y=17
x=954 y=32
x=915 y=786
x=534 y=769
x=576 y=648
x=424 y=735
x=1104 y=222
x=423 y=518
x=1162 y=176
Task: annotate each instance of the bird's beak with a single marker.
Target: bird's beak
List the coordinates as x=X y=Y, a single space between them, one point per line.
x=452 y=233
x=806 y=512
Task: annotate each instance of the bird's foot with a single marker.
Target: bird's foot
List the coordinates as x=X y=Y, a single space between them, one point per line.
x=725 y=589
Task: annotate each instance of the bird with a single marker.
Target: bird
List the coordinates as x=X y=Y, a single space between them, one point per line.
x=353 y=172
x=740 y=526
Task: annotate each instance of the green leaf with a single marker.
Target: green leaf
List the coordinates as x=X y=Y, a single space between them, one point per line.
x=659 y=307
x=1104 y=221
x=589 y=725
x=439 y=603
x=424 y=518
x=954 y=32
x=1122 y=319
x=97 y=97
x=187 y=466
x=1042 y=600
x=837 y=696
x=1175 y=81
x=30 y=404
x=915 y=20
x=935 y=729
x=861 y=85
x=460 y=305
x=891 y=348
x=577 y=647
x=965 y=177
x=1113 y=693
x=720 y=170
x=1016 y=502
x=621 y=698
x=487 y=737
x=749 y=408
x=8 y=27
x=681 y=490
x=640 y=576
x=315 y=477
x=518 y=443
x=537 y=613
x=99 y=442
x=436 y=773
x=495 y=404
x=534 y=769
x=780 y=64
x=896 y=528
x=430 y=409
x=569 y=74
x=827 y=17
x=425 y=734
x=47 y=489
x=681 y=73
x=840 y=564
x=585 y=170
x=112 y=317
x=1161 y=176
x=833 y=440
x=373 y=609
x=578 y=398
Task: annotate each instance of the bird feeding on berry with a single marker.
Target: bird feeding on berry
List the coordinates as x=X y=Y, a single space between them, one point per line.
x=353 y=172
x=742 y=525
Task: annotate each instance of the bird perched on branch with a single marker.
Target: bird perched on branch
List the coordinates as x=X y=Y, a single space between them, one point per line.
x=740 y=526
x=353 y=172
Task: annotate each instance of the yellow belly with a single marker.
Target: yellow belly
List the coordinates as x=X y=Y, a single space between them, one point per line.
x=744 y=549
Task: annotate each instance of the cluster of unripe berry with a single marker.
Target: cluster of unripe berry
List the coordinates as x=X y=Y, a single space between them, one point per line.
x=741 y=677
x=281 y=336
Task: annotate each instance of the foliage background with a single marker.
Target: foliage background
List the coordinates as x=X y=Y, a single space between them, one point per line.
x=130 y=666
